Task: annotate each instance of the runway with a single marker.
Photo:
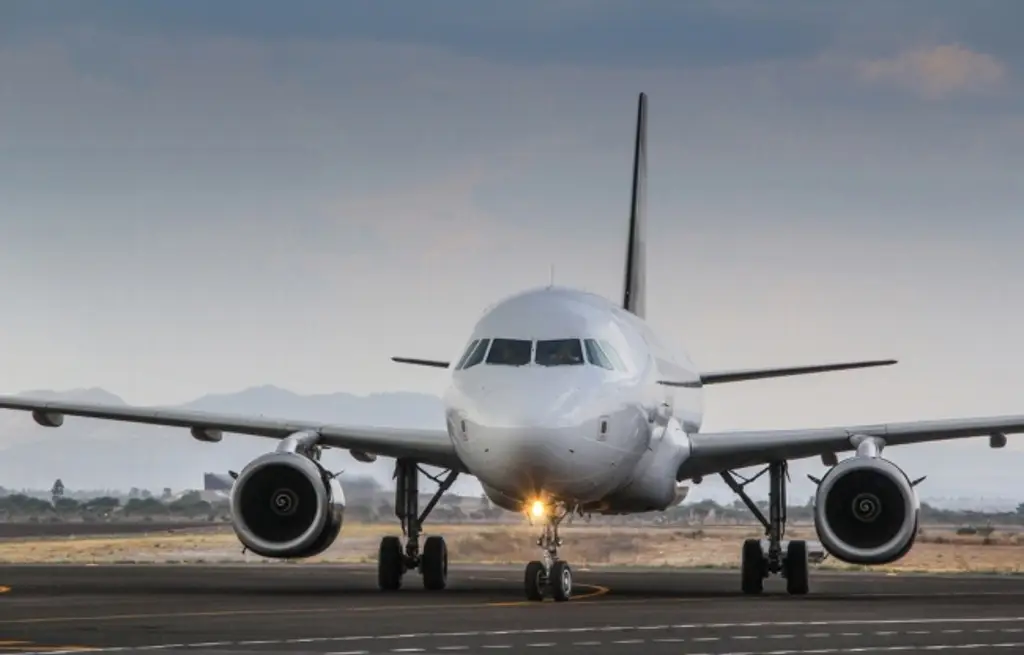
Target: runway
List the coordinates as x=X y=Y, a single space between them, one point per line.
x=320 y=609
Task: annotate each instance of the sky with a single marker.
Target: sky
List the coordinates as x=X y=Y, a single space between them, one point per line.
x=201 y=197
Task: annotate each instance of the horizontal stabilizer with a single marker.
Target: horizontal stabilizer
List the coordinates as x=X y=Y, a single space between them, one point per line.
x=718 y=377
x=435 y=363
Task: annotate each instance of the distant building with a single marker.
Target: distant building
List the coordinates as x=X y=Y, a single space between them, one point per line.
x=217 y=482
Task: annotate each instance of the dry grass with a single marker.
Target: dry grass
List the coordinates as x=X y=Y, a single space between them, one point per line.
x=936 y=550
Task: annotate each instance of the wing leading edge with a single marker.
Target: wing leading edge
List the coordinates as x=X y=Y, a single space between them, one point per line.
x=429 y=446
x=714 y=452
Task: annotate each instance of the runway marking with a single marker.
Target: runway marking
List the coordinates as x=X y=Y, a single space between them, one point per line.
x=872 y=649
x=23 y=647
x=638 y=641
x=598 y=591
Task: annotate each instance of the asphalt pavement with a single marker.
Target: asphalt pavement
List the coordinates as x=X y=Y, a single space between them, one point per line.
x=316 y=608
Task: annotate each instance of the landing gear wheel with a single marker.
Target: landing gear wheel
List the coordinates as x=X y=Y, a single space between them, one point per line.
x=533 y=581
x=390 y=564
x=791 y=563
x=560 y=581
x=753 y=567
x=795 y=563
x=434 y=563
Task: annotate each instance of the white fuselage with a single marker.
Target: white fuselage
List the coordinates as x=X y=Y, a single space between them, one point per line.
x=582 y=429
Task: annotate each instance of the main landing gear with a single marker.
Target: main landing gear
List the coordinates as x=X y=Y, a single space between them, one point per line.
x=392 y=560
x=550 y=575
x=792 y=563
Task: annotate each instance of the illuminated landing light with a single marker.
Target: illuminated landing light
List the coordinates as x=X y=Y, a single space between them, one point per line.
x=537 y=509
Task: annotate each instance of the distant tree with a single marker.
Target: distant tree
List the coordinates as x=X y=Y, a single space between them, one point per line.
x=65 y=505
x=57 y=491
x=145 y=507
x=101 y=505
x=166 y=495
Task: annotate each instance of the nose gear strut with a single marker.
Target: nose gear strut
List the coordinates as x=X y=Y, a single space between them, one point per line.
x=550 y=575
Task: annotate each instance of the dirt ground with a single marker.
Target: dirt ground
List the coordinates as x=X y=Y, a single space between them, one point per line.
x=937 y=549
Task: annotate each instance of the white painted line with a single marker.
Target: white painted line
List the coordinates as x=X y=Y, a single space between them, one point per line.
x=761 y=626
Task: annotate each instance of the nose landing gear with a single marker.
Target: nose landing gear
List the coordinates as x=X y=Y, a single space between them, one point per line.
x=549 y=575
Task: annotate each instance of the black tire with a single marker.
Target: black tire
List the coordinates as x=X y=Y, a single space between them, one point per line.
x=434 y=564
x=797 y=568
x=533 y=581
x=753 y=567
x=561 y=581
x=390 y=564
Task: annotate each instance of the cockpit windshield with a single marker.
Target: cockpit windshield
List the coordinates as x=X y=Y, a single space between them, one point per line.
x=548 y=352
x=510 y=352
x=475 y=354
x=469 y=351
x=559 y=352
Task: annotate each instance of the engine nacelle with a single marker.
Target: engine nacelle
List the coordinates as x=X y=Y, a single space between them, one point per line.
x=286 y=505
x=866 y=511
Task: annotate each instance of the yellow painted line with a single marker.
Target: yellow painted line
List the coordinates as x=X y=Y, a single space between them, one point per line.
x=426 y=607
x=598 y=590
x=340 y=610
x=44 y=649
x=21 y=646
x=47 y=649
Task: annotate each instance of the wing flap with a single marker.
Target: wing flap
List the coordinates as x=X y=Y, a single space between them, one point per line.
x=715 y=452
x=429 y=446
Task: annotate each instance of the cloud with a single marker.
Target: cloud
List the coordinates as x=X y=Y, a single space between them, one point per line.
x=939 y=71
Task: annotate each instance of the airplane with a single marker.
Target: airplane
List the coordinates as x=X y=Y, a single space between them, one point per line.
x=565 y=403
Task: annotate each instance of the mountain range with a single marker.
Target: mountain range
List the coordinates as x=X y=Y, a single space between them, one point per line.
x=95 y=454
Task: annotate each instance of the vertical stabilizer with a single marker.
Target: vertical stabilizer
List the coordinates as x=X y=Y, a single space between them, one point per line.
x=634 y=294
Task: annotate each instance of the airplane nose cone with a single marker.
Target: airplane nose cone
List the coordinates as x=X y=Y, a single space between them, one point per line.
x=527 y=406
x=529 y=433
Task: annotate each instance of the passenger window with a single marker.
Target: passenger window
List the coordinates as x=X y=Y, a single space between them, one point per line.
x=510 y=352
x=596 y=356
x=465 y=355
x=614 y=356
x=478 y=354
x=559 y=352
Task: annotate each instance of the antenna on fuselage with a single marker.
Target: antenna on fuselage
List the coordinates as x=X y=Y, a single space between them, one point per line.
x=551 y=281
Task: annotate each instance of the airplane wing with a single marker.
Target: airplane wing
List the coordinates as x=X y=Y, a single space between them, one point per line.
x=429 y=446
x=714 y=452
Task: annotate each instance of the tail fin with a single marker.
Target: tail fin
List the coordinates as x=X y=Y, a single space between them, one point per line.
x=634 y=294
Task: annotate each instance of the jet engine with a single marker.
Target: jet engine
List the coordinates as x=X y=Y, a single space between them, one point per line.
x=866 y=511
x=284 y=504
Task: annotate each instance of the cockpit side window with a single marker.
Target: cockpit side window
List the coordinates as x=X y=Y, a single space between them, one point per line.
x=465 y=355
x=510 y=352
x=596 y=356
x=559 y=352
x=612 y=355
x=477 y=355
